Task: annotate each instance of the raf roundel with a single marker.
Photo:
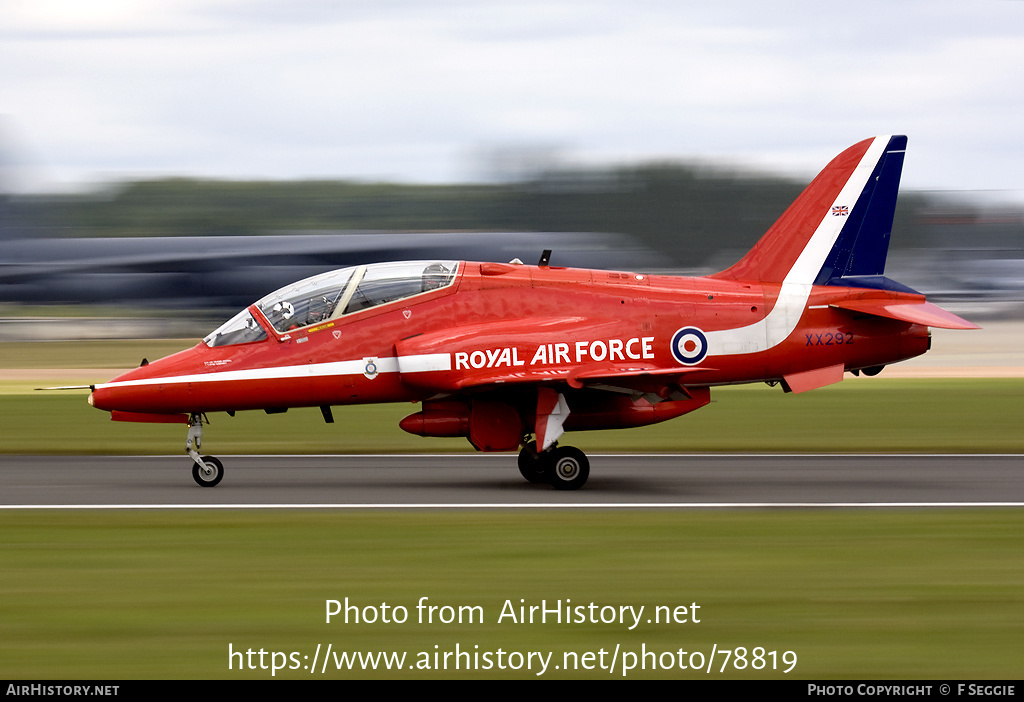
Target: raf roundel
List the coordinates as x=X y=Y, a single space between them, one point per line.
x=689 y=346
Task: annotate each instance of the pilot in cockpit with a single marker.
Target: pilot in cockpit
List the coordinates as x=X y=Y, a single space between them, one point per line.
x=281 y=314
x=435 y=276
x=319 y=310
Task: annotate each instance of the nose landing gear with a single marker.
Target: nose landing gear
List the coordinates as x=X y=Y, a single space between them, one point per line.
x=207 y=471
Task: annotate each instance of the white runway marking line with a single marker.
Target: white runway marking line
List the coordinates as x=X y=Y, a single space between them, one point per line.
x=552 y=505
x=506 y=455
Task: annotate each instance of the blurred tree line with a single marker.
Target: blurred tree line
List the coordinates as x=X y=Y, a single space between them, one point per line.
x=693 y=215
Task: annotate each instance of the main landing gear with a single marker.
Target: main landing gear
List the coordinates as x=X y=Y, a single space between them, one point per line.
x=207 y=471
x=563 y=467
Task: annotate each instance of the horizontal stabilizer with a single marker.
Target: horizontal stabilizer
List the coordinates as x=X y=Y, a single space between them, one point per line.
x=915 y=312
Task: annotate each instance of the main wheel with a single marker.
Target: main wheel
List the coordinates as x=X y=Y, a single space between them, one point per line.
x=532 y=465
x=209 y=473
x=570 y=468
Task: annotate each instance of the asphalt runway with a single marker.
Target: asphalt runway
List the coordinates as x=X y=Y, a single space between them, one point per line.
x=487 y=480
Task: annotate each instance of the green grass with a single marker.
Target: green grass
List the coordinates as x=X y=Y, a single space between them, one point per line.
x=92 y=353
x=150 y=594
x=857 y=415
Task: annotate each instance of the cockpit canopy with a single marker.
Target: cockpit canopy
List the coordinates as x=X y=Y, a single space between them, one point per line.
x=331 y=295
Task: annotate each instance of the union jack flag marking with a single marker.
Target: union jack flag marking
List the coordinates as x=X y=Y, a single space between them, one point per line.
x=840 y=211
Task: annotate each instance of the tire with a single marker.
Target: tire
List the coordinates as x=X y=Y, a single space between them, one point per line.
x=532 y=465
x=208 y=474
x=570 y=468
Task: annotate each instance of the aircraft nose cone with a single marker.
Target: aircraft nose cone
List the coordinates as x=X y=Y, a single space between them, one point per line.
x=101 y=398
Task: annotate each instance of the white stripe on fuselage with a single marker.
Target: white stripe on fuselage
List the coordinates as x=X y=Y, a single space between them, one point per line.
x=796 y=288
x=404 y=364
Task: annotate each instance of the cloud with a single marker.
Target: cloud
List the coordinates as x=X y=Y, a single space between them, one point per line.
x=403 y=89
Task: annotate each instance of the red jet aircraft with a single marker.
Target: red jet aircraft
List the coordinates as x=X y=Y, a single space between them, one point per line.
x=510 y=356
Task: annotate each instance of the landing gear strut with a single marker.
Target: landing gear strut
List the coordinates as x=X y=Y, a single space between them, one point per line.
x=563 y=467
x=207 y=471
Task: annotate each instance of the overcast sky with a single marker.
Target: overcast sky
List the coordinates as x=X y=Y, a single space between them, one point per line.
x=423 y=91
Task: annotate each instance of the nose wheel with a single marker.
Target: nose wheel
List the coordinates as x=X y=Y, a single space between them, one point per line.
x=207 y=471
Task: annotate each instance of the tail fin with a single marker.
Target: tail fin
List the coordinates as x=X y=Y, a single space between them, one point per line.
x=840 y=224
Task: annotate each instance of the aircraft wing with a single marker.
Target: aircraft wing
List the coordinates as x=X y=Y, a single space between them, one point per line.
x=612 y=378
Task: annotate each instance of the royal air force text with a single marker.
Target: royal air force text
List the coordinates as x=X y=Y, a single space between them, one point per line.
x=635 y=349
